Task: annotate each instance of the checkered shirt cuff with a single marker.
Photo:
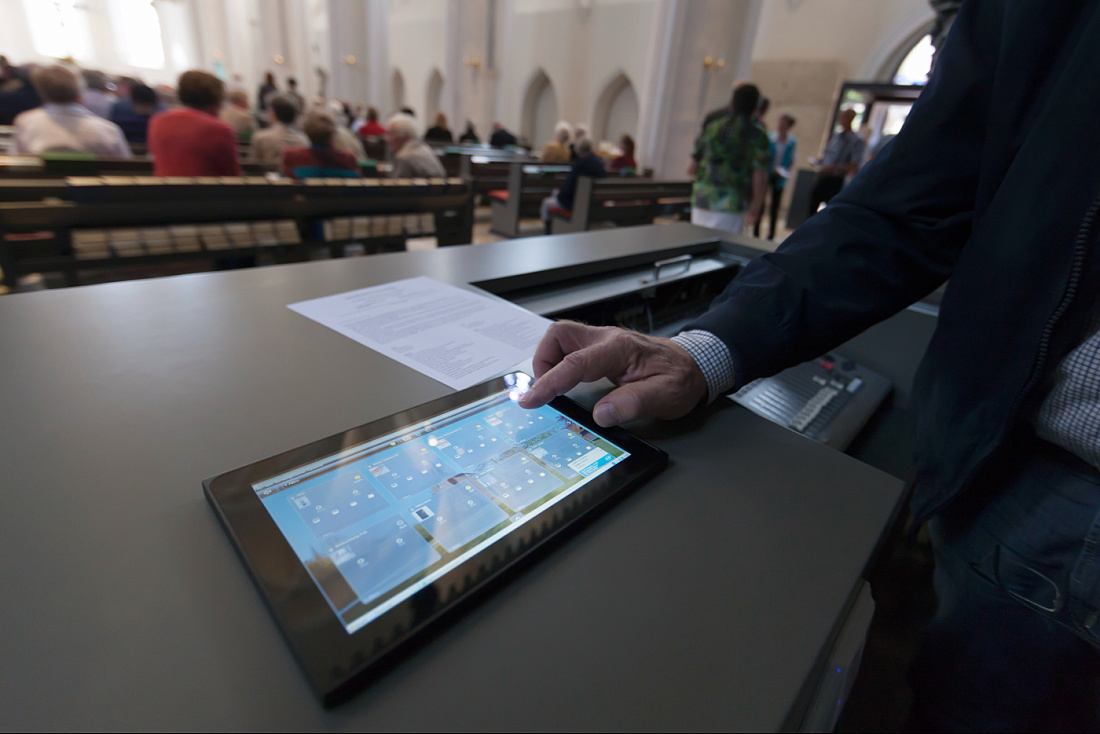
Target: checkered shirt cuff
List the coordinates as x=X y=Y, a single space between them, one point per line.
x=713 y=357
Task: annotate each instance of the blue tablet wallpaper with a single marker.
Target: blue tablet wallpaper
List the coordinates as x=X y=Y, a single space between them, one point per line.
x=377 y=522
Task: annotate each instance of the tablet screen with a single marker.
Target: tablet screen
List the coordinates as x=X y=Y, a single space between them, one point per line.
x=375 y=523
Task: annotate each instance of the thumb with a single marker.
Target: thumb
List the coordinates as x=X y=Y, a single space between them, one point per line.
x=626 y=403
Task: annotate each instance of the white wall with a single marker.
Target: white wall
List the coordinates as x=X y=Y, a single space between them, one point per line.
x=417 y=38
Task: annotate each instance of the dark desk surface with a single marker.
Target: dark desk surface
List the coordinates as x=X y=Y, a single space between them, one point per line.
x=701 y=601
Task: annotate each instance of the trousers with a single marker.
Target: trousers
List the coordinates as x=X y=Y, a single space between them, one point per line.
x=1015 y=641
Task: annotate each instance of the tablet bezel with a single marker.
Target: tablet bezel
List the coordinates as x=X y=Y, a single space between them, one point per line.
x=338 y=663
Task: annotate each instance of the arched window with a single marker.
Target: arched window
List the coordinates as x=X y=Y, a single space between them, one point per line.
x=434 y=99
x=398 y=91
x=916 y=64
x=137 y=32
x=540 y=110
x=59 y=28
x=616 y=110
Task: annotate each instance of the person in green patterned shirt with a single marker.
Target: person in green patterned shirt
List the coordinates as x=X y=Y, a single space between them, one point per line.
x=729 y=166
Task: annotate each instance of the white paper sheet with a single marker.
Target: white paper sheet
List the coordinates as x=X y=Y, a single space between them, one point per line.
x=448 y=333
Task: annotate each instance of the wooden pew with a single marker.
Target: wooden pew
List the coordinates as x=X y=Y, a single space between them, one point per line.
x=118 y=222
x=23 y=167
x=622 y=202
x=528 y=185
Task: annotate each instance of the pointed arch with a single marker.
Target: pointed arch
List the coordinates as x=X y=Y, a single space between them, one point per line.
x=398 y=90
x=540 y=110
x=433 y=101
x=616 y=110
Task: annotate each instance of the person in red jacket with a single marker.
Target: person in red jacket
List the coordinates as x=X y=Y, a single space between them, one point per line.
x=191 y=140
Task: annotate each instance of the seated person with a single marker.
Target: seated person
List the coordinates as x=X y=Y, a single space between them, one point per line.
x=412 y=157
x=470 y=136
x=267 y=146
x=16 y=92
x=98 y=96
x=501 y=137
x=134 y=116
x=320 y=160
x=63 y=124
x=580 y=132
x=191 y=140
x=237 y=115
x=626 y=160
x=344 y=139
x=371 y=128
x=440 y=132
x=587 y=164
x=555 y=151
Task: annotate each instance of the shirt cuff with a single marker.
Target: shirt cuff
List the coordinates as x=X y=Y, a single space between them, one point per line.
x=713 y=357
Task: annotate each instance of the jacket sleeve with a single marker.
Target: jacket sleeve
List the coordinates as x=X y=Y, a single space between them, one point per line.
x=890 y=238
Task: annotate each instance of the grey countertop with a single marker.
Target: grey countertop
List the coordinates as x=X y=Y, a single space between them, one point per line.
x=703 y=600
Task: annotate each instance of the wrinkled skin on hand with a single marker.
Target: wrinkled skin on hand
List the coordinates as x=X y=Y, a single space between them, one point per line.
x=656 y=378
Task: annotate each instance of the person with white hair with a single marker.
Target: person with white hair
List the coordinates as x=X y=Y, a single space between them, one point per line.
x=412 y=157
x=344 y=139
x=555 y=150
x=62 y=123
x=580 y=132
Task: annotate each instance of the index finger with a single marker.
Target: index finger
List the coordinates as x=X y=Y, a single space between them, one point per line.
x=585 y=365
x=561 y=338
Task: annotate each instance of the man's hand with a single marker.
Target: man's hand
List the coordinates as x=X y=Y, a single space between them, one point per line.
x=657 y=378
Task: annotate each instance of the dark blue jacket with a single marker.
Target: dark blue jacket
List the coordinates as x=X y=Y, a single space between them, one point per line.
x=589 y=165
x=993 y=181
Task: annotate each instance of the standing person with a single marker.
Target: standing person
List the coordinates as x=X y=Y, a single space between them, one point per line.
x=440 y=132
x=728 y=164
x=587 y=164
x=320 y=160
x=191 y=140
x=62 y=123
x=267 y=89
x=781 y=151
x=993 y=193
x=267 y=146
x=134 y=116
x=98 y=96
x=625 y=161
x=843 y=154
x=555 y=151
x=412 y=157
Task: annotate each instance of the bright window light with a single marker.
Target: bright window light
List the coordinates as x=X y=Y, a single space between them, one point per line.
x=138 y=33
x=916 y=65
x=59 y=28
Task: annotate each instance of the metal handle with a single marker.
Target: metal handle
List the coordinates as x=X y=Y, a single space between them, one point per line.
x=684 y=260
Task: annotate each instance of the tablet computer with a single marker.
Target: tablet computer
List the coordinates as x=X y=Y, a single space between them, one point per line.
x=360 y=541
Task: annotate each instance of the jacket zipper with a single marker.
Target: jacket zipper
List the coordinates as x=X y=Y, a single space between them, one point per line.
x=1080 y=249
